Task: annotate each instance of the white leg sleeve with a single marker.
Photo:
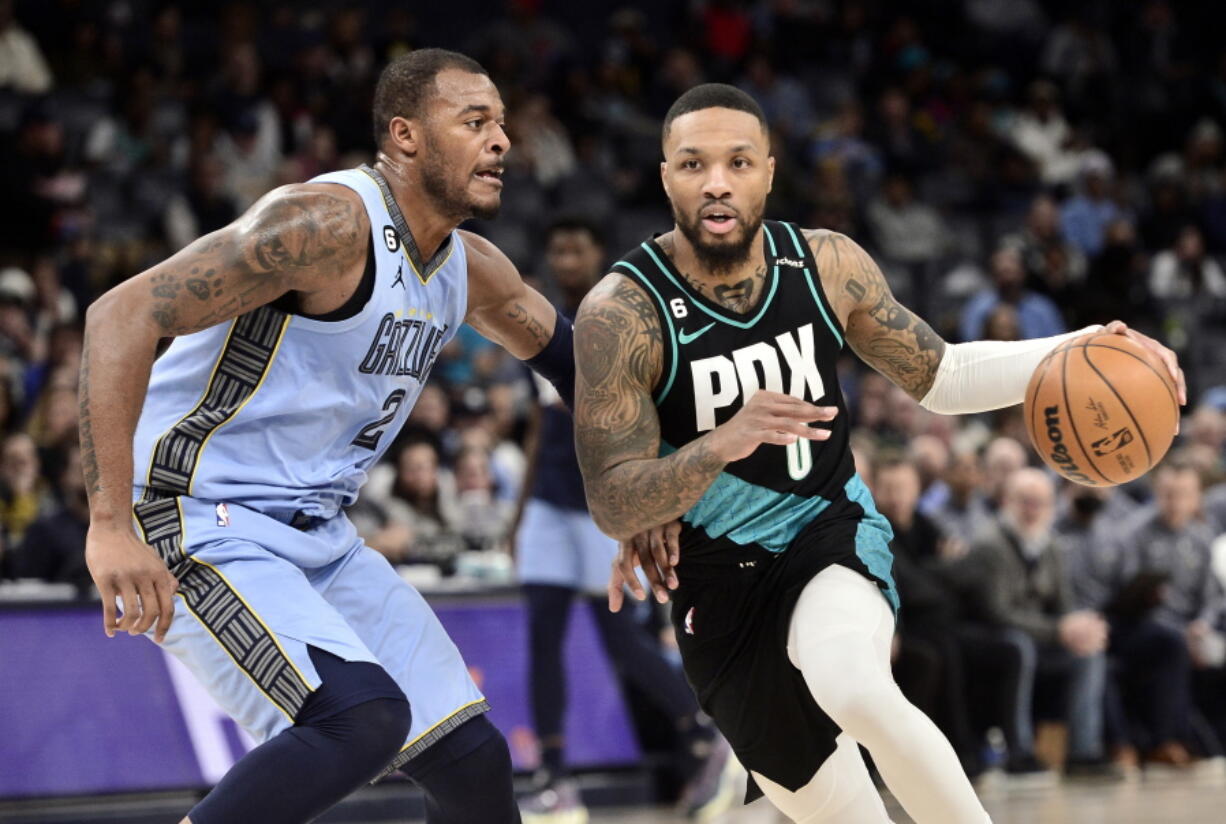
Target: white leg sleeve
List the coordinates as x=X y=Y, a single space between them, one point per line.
x=841 y=792
x=839 y=638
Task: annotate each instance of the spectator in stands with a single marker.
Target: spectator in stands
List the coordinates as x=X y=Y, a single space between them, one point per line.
x=483 y=519
x=1151 y=663
x=202 y=207
x=42 y=186
x=784 y=100
x=964 y=511
x=1001 y=458
x=907 y=231
x=53 y=420
x=1116 y=281
x=1015 y=574
x=1086 y=215
x=53 y=548
x=1185 y=272
x=1041 y=133
x=930 y=456
x=1037 y=315
x=1167 y=573
x=1053 y=266
x=24 y=493
x=410 y=514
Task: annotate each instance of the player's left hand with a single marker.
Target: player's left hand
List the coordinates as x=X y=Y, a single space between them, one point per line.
x=1118 y=327
x=657 y=551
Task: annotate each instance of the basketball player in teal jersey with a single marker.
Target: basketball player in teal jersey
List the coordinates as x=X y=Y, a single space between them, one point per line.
x=702 y=360
x=303 y=334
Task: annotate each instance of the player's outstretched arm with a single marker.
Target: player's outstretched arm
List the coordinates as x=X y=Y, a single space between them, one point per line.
x=301 y=238
x=976 y=376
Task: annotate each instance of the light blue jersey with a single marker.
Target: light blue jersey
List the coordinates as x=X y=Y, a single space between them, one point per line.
x=285 y=414
x=254 y=435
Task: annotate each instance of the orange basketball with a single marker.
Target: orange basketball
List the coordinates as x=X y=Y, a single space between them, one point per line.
x=1101 y=409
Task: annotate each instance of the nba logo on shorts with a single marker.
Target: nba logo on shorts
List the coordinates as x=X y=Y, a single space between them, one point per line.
x=689 y=622
x=223 y=515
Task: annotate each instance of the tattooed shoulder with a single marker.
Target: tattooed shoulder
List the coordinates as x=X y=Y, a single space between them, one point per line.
x=294 y=238
x=617 y=322
x=887 y=335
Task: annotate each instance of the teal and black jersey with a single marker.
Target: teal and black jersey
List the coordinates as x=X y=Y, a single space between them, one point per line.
x=715 y=359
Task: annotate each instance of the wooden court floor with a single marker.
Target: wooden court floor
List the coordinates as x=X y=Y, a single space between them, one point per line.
x=1151 y=798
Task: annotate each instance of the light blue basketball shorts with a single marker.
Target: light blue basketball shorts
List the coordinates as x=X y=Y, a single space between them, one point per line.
x=563 y=547
x=254 y=593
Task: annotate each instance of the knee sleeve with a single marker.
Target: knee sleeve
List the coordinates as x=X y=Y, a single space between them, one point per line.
x=467 y=776
x=348 y=731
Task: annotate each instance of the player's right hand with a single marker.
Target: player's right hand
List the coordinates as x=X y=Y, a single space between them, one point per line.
x=769 y=417
x=657 y=551
x=123 y=565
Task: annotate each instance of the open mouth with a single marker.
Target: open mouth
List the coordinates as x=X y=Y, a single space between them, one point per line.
x=719 y=220
x=492 y=175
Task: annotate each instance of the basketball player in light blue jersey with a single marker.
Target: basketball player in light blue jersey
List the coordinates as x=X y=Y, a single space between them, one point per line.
x=303 y=334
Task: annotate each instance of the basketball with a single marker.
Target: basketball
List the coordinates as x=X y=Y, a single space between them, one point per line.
x=1101 y=409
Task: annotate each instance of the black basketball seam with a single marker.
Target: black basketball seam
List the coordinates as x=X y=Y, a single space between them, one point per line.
x=1072 y=422
x=1149 y=455
x=1148 y=366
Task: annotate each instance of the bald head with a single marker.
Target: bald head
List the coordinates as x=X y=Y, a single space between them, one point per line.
x=1030 y=502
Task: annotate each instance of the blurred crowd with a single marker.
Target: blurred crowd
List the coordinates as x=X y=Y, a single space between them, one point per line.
x=1018 y=168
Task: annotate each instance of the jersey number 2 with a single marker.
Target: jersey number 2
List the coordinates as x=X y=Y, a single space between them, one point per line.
x=369 y=437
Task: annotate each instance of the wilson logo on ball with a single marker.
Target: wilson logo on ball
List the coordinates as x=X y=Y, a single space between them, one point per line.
x=1059 y=452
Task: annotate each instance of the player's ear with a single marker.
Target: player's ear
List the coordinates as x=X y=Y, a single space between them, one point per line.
x=404 y=135
x=664 y=178
x=770 y=177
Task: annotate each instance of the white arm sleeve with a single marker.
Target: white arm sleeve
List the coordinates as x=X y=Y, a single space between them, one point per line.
x=987 y=374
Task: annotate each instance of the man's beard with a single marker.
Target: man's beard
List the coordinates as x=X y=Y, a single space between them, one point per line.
x=718 y=258
x=450 y=198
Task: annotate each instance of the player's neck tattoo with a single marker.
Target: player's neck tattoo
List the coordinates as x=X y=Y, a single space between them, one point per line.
x=739 y=297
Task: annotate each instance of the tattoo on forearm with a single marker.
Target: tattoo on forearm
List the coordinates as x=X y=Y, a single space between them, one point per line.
x=231 y=272
x=89 y=458
x=886 y=334
x=520 y=315
x=618 y=355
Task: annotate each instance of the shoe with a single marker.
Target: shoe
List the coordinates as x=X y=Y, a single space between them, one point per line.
x=557 y=802
x=1169 y=754
x=713 y=788
x=1028 y=770
x=1127 y=757
x=1097 y=769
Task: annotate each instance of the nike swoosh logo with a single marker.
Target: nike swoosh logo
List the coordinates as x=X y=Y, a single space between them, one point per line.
x=689 y=338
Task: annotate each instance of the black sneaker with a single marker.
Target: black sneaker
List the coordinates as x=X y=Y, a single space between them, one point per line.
x=1097 y=769
x=1026 y=769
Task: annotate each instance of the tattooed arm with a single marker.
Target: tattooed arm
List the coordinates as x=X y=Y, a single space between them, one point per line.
x=501 y=306
x=310 y=239
x=619 y=354
x=975 y=376
x=887 y=335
